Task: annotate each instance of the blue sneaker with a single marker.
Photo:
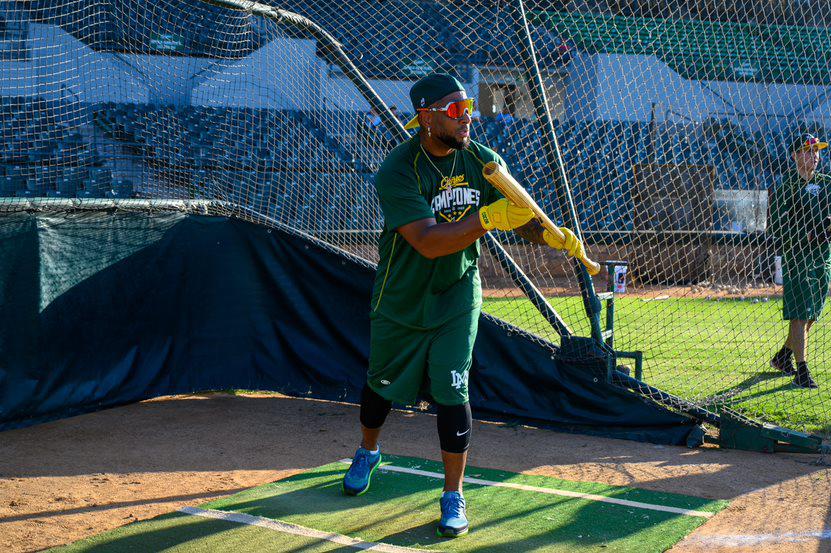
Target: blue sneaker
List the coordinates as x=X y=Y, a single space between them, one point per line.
x=453 y=521
x=356 y=480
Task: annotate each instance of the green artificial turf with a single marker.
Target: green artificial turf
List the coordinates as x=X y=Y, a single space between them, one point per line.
x=402 y=509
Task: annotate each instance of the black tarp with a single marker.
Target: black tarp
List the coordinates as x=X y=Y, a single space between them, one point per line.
x=102 y=308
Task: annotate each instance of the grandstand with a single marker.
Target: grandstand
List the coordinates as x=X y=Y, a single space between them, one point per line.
x=704 y=50
x=782 y=12
x=63 y=144
x=156 y=146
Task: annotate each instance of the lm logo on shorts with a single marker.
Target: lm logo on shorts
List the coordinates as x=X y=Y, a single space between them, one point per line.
x=459 y=379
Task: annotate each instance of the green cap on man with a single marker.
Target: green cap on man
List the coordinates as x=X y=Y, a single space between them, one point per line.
x=430 y=89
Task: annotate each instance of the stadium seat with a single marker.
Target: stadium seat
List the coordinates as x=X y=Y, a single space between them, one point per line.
x=8 y=186
x=87 y=194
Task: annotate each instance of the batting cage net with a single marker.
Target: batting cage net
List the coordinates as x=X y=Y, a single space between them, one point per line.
x=663 y=132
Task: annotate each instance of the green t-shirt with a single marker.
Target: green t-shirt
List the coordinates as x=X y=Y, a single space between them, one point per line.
x=798 y=207
x=409 y=288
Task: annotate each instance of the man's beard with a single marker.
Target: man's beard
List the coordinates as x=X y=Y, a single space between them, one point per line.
x=452 y=142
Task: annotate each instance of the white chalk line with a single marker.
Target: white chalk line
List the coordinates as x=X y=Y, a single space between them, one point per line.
x=296 y=530
x=758 y=539
x=550 y=491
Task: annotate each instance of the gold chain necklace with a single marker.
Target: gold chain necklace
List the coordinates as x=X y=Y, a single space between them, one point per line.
x=452 y=168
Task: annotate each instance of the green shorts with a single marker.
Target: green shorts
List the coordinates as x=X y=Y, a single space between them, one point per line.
x=404 y=361
x=805 y=289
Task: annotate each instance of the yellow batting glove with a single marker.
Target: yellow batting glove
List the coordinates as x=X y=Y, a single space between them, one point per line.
x=570 y=244
x=504 y=215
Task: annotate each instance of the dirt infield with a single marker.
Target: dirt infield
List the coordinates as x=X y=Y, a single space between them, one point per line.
x=696 y=292
x=69 y=479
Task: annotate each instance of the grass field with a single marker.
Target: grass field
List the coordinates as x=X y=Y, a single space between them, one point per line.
x=714 y=352
x=508 y=512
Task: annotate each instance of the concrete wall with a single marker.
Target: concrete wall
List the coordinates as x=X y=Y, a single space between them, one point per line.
x=580 y=102
x=284 y=74
x=62 y=67
x=341 y=93
x=623 y=87
x=171 y=79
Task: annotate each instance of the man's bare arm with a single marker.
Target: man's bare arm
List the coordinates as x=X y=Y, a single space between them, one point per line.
x=531 y=231
x=433 y=240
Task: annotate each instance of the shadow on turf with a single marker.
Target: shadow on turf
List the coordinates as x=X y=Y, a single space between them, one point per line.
x=582 y=526
x=588 y=527
x=735 y=394
x=119 y=505
x=328 y=498
x=577 y=531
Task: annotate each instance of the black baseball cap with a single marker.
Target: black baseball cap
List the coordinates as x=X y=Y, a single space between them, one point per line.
x=428 y=90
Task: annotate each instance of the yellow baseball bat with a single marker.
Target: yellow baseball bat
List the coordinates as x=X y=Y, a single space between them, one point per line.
x=502 y=180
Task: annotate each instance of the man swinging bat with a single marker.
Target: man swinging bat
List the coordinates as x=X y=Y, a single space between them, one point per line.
x=427 y=294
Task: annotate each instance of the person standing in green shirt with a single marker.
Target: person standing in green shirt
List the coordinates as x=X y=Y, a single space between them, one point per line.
x=800 y=222
x=427 y=294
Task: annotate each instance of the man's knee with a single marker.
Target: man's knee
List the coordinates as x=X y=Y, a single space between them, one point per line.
x=455 y=425
x=374 y=408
